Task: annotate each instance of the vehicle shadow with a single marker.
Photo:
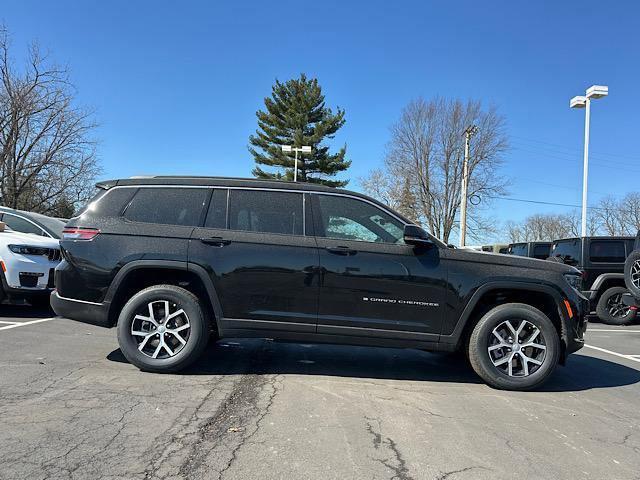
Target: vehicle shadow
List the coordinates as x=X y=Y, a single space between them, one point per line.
x=261 y=357
x=24 y=311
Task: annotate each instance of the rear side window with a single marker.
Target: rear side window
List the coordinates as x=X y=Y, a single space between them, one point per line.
x=519 y=249
x=266 y=212
x=604 y=251
x=568 y=250
x=168 y=206
x=541 y=251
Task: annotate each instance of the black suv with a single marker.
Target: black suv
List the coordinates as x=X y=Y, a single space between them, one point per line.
x=601 y=260
x=174 y=260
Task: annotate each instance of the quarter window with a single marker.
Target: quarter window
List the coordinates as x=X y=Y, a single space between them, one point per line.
x=350 y=219
x=168 y=206
x=266 y=212
x=19 y=224
x=607 y=251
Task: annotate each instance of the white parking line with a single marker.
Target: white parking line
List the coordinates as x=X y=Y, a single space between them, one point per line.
x=628 y=357
x=10 y=323
x=611 y=330
x=16 y=325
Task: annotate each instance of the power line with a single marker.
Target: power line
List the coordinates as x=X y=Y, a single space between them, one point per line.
x=579 y=151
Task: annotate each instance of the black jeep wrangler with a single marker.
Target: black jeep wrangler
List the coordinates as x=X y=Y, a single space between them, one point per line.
x=601 y=261
x=174 y=260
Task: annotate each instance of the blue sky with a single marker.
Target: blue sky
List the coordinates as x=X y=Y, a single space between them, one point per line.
x=175 y=85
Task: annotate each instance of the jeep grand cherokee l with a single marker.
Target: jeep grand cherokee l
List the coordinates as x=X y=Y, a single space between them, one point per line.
x=173 y=260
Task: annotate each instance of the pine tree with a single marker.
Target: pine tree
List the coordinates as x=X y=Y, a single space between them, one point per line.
x=296 y=115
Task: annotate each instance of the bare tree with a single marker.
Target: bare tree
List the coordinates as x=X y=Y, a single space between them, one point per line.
x=47 y=154
x=423 y=164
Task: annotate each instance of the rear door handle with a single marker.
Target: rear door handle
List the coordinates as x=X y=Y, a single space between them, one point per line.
x=215 y=241
x=340 y=250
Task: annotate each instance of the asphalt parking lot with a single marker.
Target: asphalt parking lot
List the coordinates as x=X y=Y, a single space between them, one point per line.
x=72 y=407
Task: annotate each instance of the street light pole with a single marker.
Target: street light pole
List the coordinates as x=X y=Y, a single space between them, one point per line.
x=593 y=92
x=585 y=168
x=468 y=133
x=289 y=149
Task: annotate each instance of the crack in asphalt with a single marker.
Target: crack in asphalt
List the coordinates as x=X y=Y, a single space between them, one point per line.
x=446 y=475
x=396 y=463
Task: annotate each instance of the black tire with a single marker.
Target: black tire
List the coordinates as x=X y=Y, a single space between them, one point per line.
x=611 y=310
x=40 y=302
x=631 y=273
x=482 y=336
x=179 y=298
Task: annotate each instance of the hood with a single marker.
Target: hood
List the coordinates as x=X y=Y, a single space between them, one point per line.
x=511 y=261
x=19 y=238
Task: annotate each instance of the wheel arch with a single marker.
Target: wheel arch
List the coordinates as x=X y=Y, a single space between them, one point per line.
x=139 y=274
x=543 y=297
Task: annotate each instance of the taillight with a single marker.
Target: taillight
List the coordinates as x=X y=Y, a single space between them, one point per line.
x=79 y=233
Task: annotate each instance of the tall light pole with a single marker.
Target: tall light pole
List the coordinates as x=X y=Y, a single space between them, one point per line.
x=289 y=149
x=593 y=92
x=468 y=133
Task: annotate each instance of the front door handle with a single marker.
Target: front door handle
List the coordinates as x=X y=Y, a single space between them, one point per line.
x=215 y=241
x=340 y=250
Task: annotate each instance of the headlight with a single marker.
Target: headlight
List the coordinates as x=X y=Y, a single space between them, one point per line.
x=27 y=250
x=574 y=279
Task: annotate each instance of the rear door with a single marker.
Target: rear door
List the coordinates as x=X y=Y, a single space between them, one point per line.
x=262 y=259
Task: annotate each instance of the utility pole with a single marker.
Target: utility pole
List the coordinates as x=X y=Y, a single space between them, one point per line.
x=288 y=149
x=468 y=133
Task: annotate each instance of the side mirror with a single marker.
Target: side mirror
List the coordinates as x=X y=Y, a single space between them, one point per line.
x=414 y=235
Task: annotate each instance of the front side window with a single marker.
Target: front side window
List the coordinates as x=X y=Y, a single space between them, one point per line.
x=266 y=212
x=519 y=249
x=351 y=219
x=167 y=206
x=607 y=251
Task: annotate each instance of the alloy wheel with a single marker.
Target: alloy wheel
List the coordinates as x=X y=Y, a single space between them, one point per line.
x=517 y=351
x=162 y=331
x=616 y=308
x=635 y=274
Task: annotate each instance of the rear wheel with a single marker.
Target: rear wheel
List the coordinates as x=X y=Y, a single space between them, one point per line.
x=611 y=310
x=514 y=347
x=163 y=329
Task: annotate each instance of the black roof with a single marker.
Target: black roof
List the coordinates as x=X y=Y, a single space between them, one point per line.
x=235 y=182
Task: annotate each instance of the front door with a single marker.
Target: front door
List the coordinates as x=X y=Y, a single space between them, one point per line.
x=262 y=263
x=372 y=284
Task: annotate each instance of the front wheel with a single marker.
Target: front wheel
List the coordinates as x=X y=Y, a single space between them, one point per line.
x=514 y=347
x=611 y=309
x=163 y=329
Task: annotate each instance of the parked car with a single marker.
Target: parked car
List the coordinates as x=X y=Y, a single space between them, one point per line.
x=27 y=263
x=496 y=248
x=601 y=260
x=172 y=260
x=539 y=250
x=29 y=222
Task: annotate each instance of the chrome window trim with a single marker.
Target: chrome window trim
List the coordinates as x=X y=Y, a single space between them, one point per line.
x=4 y=212
x=337 y=194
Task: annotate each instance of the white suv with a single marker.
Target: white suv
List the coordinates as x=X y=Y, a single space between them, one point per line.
x=27 y=262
